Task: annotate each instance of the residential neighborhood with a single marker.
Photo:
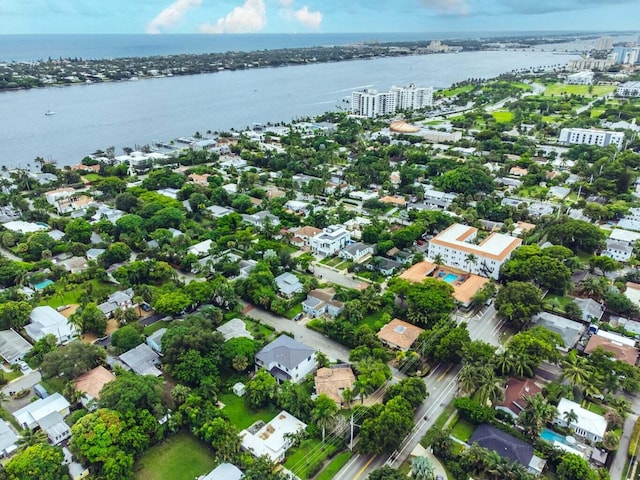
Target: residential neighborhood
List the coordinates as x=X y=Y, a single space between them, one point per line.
x=452 y=285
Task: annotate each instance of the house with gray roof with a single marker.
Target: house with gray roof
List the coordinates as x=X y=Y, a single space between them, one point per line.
x=8 y=439
x=12 y=346
x=121 y=299
x=356 y=251
x=592 y=311
x=569 y=330
x=224 y=471
x=259 y=219
x=287 y=359
x=320 y=302
x=288 y=284
x=55 y=427
x=142 y=360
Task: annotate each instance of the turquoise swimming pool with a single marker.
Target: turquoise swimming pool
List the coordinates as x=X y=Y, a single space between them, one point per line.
x=450 y=277
x=43 y=284
x=551 y=436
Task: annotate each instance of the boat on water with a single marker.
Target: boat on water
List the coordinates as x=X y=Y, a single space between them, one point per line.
x=49 y=112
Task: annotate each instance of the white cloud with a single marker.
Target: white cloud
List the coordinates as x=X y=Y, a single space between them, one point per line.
x=171 y=15
x=308 y=18
x=285 y=3
x=251 y=17
x=460 y=7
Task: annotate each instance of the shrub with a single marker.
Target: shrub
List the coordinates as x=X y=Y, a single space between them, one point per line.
x=471 y=410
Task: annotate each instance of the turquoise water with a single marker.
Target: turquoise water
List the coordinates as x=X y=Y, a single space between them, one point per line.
x=450 y=277
x=43 y=284
x=551 y=436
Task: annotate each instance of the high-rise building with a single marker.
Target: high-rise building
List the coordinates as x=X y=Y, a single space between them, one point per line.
x=372 y=103
x=604 y=44
x=591 y=136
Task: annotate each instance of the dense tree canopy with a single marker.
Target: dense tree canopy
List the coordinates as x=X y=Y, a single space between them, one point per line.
x=72 y=360
x=37 y=462
x=517 y=302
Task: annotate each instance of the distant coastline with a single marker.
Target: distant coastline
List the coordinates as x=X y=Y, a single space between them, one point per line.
x=78 y=71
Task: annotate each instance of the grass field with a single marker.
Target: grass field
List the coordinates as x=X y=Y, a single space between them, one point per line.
x=457 y=91
x=71 y=295
x=310 y=452
x=293 y=311
x=334 y=466
x=240 y=414
x=182 y=457
x=374 y=321
x=551 y=118
x=560 y=302
x=596 y=112
x=561 y=89
x=462 y=430
x=503 y=116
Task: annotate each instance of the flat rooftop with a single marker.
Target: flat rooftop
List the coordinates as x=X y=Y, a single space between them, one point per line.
x=496 y=246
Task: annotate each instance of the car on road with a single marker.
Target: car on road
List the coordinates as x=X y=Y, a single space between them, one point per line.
x=24 y=368
x=298 y=317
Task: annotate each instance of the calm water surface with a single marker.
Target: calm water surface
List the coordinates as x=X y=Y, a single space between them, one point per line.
x=126 y=114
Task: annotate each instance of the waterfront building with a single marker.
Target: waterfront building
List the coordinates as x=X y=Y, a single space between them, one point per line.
x=603 y=44
x=590 y=136
x=372 y=103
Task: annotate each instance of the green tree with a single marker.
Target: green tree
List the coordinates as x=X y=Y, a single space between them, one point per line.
x=126 y=338
x=576 y=235
x=37 y=462
x=576 y=369
x=537 y=413
x=72 y=360
x=172 y=303
x=387 y=473
x=130 y=392
x=517 y=302
x=261 y=390
x=429 y=301
x=91 y=318
x=574 y=467
x=422 y=469
x=386 y=431
x=78 y=230
x=323 y=413
x=14 y=314
x=412 y=389
x=223 y=438
x=117 y=252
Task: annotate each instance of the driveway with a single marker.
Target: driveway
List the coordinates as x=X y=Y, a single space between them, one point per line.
x=617 y=466
x=25 y=382
x=344 y=279
x=316 y=340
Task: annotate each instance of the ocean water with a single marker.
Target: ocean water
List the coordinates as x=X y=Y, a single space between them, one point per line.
x=40 y=47
x=126 y=114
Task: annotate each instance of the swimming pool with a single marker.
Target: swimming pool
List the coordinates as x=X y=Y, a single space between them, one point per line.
x=43 y=284
x=450 y=277
x=551 y=436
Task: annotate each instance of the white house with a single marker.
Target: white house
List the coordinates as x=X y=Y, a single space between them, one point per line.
x=628 y=89
x=332 y=239
x=45 y=320
x=287 y=359
x=319 y=302
x=590 y=136
x=200 y=249
x=584 y=77
x=288 y=284
x=29 y=415
x=619 y=251
x=8 y=439
x=456 y=247
x=587 y=425
x=356 y=251
x=274 y=438
x=122 y=299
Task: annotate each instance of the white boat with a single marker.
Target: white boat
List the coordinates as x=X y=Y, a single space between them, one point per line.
x=49 y=112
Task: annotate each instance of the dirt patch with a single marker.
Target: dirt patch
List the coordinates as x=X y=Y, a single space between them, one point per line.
x=67 y=312
x=112 y=326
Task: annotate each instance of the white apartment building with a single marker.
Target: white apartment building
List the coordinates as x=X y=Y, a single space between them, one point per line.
x=456 y=247
x=603 y=44
x=372 y=103
x=581 y=78
x=590 y=136
x=332 y=239
x=628 y=89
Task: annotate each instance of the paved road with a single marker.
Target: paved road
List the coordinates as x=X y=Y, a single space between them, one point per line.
x=329 y=275
x=332 y=349
x=442 y=387
x=617 y=466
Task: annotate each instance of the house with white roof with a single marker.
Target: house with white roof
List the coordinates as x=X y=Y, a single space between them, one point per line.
x=142 y=360
x=30 y=415
x=8 y=439
x=274 y=438
x=456 y=246
x=587 y=425
x=12 y=346
x=46 y=320
x=224 y=471
x=200 y=249
x=332 y=239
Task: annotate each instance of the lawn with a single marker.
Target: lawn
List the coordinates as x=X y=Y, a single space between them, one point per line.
x=182 y=457
x=374 y=321
x=331 y=261
x=71 y=295
x=293 y=311
x=560 y=303
x=502 y=116
x=258 y=329
x=560 y=89
x=334 y=466
x=154 y=327
x=595 y=408
x=551 y=118
x=597 y=112
x=463 y=430
x=306 y=456
x=457 y=91
x=240 y=414
x=344 y=265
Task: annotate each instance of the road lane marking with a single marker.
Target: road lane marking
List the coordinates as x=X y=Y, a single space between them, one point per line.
x=445 y=373
x=366 y=465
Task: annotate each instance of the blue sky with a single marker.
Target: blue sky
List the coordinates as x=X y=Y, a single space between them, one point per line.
x=299 y=16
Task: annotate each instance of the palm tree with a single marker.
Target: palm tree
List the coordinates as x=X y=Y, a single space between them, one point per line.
x=470 y=258
x=536 y=415
x=469 y=378
x=138 y=300
x=504 y=363
x=323 y=413
x=29 y=438
x=522 y=366
x=576 y=369
x=491 y=389
x=570 y=416
x=362 y=388
x=421 y=469
x=347 y=396
x=438 y=260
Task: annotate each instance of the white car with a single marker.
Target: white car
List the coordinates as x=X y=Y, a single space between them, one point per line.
x=24 y=368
